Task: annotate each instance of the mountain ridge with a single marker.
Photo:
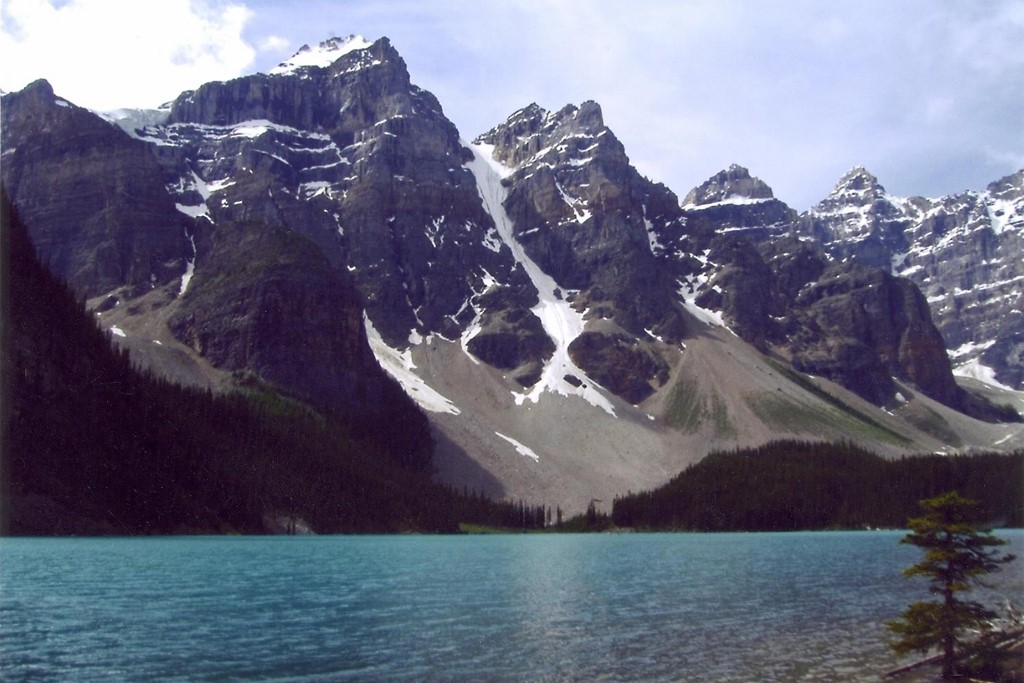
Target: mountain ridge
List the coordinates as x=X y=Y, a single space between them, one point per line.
x=506 y=279
x=962 y=250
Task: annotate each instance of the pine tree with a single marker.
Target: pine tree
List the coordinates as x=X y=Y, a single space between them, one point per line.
x=957 y=556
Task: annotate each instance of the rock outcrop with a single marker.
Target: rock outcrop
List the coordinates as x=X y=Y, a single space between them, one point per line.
x=268 y=302
x=862 y=327
x=744 y=203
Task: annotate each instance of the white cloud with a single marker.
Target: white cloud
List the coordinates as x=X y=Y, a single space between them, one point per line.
x=105 y=54
x=274 y=44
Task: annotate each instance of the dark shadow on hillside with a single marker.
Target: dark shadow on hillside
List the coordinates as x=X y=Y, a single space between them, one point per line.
x=455 y=467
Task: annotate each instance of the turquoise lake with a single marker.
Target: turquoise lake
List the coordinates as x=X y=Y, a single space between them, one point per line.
x=600 y=607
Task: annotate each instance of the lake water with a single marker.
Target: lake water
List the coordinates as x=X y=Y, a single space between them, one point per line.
x=602 y=607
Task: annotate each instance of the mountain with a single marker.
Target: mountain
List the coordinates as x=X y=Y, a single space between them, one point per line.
x=358 y=160
x=844 y=319
x=586 y=224
x=572 y=329
x=963 y=251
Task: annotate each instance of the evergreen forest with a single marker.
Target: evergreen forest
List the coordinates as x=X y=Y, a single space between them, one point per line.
x=790 y=485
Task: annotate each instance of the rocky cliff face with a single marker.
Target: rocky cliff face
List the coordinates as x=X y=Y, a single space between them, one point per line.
x=964 y=251
x=93 y=197
x=864 y=327
x=268 y=302
x=587 y=219
x=360 y=161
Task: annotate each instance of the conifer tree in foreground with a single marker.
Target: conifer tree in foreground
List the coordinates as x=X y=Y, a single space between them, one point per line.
x=957 y=556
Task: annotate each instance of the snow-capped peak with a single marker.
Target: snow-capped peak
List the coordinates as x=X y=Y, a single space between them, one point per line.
x=323 y=55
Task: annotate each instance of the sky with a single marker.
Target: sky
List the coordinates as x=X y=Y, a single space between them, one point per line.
x=926 y=94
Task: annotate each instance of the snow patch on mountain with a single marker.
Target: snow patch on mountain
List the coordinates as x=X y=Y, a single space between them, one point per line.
x=974 y=369
x=197 y=211
x=321 y=56
x=190 y=266
x=251 y=129
x=178 y=134
x=314 y=189
x=520 y=448
x=399 y=365
x=653 y=240
x=970 y=348
x=133 y=120
x=731 y=200
x=1005 y=215
x=691 y=287
x=579 y=207
x=705 y=315
x=560 y=320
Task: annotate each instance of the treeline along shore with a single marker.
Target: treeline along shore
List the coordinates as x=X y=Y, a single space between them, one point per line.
x=793 y=485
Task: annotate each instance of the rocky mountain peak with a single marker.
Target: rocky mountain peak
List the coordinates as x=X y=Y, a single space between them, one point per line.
x=589 y=115
x=734 y=201
x=89 y=237
x=18 y=106
x=34 y=109
x=521 y=125
x=859 y=215
x=338 y=87
x=857 y=183
x=535 y=135
x=734 y=184
x=38 y=88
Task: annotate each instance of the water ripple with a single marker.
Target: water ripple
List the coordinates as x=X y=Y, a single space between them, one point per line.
x=669 y=607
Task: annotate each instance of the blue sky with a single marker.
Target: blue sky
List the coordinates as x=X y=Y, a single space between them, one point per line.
x=927 y=94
